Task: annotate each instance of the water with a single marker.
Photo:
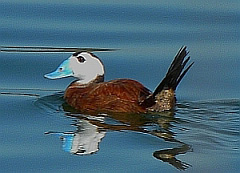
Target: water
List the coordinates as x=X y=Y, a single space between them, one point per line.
x=202 y=135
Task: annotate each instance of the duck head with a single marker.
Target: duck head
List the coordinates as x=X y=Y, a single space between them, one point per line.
x=84 y=66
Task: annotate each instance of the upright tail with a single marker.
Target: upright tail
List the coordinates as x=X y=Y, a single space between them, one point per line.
x=163 y=98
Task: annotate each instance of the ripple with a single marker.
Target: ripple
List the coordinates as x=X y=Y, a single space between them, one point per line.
x=213 y=125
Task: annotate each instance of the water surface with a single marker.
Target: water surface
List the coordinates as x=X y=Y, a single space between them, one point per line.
x=202 y=135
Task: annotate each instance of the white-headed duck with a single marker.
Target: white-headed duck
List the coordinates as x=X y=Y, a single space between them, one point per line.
x=89 y=93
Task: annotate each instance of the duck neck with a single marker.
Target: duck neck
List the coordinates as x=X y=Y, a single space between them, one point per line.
x=98 y=79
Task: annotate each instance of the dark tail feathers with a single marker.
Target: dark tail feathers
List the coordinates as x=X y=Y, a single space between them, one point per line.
x=170 y=82
x=175 y=72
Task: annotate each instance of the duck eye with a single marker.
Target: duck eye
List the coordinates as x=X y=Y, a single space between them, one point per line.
x=60 y=69
x=81 y=59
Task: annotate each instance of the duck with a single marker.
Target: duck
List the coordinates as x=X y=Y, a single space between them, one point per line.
x=89 y=93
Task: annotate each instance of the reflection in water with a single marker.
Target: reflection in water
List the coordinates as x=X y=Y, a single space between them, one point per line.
x=91 y=129
x=84 y=141
x=168 y=155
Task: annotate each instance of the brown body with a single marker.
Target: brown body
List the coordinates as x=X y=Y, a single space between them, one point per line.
x=121 y=95
x=114 y=96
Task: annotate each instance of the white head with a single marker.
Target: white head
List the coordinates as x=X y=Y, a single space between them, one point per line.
x=84 y=66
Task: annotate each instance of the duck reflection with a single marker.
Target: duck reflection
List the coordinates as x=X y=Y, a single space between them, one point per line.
x=168 y=155
x=91 y=129
x=85 y=140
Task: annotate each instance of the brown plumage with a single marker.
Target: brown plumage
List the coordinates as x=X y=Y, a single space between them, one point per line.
x=120 y=95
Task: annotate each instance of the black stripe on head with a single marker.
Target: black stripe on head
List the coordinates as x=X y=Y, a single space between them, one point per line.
x=93 y=55
x=76 y=53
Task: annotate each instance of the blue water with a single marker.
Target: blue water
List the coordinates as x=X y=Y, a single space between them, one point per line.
x=202 y=135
